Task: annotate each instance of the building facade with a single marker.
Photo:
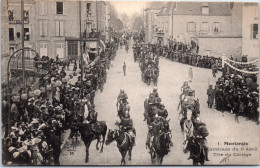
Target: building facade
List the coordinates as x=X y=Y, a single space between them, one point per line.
x=15 y=27
x=53 y=27
x=250 y=41
x=215 y=26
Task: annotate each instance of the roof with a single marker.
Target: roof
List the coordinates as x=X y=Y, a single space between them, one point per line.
x=19 y=1
x=194 y=8
x=155 y=5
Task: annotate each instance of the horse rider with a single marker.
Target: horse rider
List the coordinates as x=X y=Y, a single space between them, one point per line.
x=201 y=132
x=92 y=119
x=122 y=96
x=126 y=125
x=155 y=129
x=188 y=128
x=185 y=87
x=162 y=112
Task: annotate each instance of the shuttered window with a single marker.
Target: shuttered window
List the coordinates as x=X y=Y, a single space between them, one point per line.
x=43 y=8
x=204 y=27
x=191 y=27
x=255 y=31
x=43 y=28
x=216 y=27
x=59 y=28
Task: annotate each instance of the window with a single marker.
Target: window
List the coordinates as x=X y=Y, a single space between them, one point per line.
x=191 y=27
x=11 y=15
x=26 y=34
x=43 y=49
x=11 y=33
x=205 y=10
x=72 y=48
x=11 y=50
x=216 y=27
x=59 y=7
x=255 y=31
x=204 y=27
x=26 y=15
x=88 y=8
x=43 y=28
x=43 y=8
x=59 y=28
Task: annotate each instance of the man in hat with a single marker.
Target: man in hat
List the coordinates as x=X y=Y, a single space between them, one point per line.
x=126 y=125
x=92 y=119
x=92 y=34
x=124 y=69
x=210 y=93
x=154 y=129
x=201 y=132
x=162 y=112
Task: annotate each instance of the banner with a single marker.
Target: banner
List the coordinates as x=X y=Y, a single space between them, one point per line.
x=243 y=63
x=239 y=70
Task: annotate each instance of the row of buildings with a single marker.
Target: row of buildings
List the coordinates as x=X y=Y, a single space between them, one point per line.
x=229 y=28
x=52 y=27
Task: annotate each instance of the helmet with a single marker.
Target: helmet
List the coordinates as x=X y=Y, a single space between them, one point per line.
x=127 y=114
x=155 y=89
x=122 y=90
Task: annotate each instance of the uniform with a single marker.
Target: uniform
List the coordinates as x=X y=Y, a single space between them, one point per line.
x=201 y=132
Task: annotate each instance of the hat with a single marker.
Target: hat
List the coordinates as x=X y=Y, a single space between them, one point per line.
x=43 y=106
x=14 y=128
x=22 y=149
x=16 y=154
x=34 y=121
x=44 y=144
x=31 y=100
x=10 y=149
x=57 y=108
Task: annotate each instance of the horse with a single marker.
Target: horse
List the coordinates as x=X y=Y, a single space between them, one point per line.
x=125 y=142
x=120 y=108
x=197 y=150
x=88 y=135
x=159 y=147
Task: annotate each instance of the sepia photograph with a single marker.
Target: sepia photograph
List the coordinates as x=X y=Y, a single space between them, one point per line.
x=129 y=83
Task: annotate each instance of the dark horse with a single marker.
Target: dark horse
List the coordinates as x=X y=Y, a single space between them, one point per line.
x=159 y=147
x=120 y=108
x=198 y=154
x=125 y=142
x=88 y=135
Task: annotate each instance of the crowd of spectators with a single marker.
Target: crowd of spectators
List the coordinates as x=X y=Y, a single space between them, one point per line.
x=38 y=118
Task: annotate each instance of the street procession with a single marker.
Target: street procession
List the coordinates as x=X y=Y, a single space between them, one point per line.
x=129 y=83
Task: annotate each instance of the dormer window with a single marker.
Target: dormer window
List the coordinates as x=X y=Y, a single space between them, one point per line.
x=164 y=9
x=205 y=9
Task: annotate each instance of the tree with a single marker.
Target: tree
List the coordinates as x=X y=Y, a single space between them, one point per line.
x=115 y=22
x=138 y=24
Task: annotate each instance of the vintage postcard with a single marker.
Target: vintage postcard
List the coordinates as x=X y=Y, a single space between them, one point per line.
x=131 y=83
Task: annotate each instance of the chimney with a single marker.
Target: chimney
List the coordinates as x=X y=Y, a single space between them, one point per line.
x=231 y=5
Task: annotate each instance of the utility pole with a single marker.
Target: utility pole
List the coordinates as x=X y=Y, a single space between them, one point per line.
x=80 y=37
x=97 y=26
x=172 y=22
x=22 y=31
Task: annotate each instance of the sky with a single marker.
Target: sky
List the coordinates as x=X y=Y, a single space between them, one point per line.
x=129 y=7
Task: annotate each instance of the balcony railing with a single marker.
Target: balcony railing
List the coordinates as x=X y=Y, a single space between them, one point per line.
x=18 y=22
x=159 y=30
